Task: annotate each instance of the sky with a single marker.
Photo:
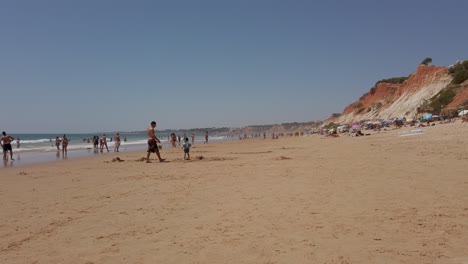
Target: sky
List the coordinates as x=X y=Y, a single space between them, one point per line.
x=112 y=65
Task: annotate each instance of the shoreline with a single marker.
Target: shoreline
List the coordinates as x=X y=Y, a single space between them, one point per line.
x=30 y=157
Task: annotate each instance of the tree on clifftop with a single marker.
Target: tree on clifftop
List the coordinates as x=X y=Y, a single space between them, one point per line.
x=426 y=61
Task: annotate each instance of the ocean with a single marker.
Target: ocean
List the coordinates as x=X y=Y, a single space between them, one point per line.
x=36 y=148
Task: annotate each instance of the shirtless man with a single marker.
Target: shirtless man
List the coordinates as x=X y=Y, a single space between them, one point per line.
x=117 y=142
x=152 y=143
x=206 y=137
x=5 y=141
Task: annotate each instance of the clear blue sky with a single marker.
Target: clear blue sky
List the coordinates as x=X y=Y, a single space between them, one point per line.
x=105 y=65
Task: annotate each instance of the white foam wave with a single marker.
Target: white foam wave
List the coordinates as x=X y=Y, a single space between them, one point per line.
x=217 y=138
x=37 y=149
x=33 y=141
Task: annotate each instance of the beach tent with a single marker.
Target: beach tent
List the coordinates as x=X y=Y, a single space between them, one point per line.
x=343 y=128
x=427 y=116
x=463 y=112
x=436 y=117
x=386 y=123
x=368 y=125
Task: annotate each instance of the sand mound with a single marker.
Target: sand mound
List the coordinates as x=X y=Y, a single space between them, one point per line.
x=117 y=159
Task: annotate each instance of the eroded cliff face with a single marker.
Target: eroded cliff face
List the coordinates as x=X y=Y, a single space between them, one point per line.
x=388 y=100
x=461 y=98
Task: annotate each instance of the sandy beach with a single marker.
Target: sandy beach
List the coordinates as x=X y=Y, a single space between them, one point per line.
x=384 y=198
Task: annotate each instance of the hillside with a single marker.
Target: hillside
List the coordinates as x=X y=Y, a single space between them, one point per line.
x=429 y=89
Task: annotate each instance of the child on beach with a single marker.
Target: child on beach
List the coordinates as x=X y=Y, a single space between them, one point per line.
x=57 y=142
x=186 y=147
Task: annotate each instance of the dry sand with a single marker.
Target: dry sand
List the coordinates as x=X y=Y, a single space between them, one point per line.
x=375 y=199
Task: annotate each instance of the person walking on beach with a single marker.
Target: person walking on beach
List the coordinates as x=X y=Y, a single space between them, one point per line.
x=186 y=147
x=104 y=142
x=64 y=145
x=57 y=143
x=193 y=139
x=5 y=141
x=153 y=143
x=117 y=142
x=18 y=143
x=206 y=137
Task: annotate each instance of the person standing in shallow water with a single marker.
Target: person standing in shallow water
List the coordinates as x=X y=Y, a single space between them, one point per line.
x=153 y=143
x=206 y=137
x=64 y=145
x=57 y=143
x=5 y=141
x=117 y=142
x=104 y=142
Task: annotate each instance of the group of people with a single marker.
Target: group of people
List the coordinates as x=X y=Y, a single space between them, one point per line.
x=102 y=142
x=64 y=142
x=176 y=140
x=153 y=141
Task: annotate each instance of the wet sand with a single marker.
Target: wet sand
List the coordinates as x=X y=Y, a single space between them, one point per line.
x=383 y=198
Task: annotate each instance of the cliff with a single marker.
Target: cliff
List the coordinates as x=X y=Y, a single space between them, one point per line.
x=388 y=100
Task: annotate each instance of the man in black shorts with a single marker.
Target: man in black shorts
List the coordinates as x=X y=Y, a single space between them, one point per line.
x=152 y=143
x=5 y=141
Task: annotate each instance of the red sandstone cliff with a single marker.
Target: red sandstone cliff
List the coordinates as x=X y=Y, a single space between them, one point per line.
x=388 y=100
x=461 y=98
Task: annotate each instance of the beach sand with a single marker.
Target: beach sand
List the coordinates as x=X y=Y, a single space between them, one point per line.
x=382 y=198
